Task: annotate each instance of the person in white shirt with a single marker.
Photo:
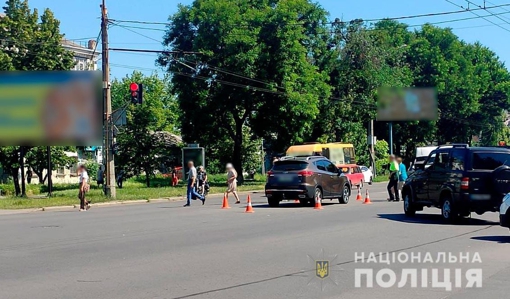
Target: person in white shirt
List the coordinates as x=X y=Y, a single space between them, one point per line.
x=84 y=187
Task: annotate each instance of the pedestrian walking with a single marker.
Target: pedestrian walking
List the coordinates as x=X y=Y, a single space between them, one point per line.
x=202 y=180
x=393 y=183
x=175 y=179
x=84 y=188
x=232 y=182
x=191 y=190
x=402 y=177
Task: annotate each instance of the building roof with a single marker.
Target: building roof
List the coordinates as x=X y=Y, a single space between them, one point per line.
x=79 y=50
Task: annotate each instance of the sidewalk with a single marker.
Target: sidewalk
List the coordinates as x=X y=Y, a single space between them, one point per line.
x=112 y=203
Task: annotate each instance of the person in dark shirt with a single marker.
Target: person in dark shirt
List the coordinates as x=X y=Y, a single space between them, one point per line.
x=202 y=179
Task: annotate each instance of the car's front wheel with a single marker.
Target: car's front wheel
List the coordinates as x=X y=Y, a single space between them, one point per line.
x=371 y=181
x=346 y=192
x=409 y=208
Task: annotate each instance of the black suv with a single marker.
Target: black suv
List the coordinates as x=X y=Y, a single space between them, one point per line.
x=306 y=178
x=459 y=180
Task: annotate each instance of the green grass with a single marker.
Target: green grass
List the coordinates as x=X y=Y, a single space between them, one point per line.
x=381 y=178
x=133 y=189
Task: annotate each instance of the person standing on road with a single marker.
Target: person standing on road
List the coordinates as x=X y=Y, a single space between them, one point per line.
x=84 y=188
x=393 y=183
x=192 y=180
x=232 y=182
x=402 y=175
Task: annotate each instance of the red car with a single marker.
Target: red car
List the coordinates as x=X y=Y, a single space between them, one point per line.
x=354 y=174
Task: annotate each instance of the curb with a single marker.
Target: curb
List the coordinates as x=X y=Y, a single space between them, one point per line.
x=111 y=203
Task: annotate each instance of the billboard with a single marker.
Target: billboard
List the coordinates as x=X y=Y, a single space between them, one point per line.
x=50 y=108
x=195 y=154
x=407 y=104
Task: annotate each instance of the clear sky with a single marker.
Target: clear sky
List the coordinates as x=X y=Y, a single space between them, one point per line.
x=80 y=21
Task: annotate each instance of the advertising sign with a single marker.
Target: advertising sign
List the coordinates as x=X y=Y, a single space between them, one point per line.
x=50 y=108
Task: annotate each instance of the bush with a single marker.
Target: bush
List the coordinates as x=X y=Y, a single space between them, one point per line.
x=8 y=189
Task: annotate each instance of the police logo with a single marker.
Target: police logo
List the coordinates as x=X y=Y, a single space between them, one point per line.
x=322 y=269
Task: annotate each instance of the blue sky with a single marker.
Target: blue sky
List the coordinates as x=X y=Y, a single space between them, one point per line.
x=80 y=21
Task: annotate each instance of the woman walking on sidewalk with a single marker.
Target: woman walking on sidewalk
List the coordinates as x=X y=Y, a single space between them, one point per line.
x=84 y=188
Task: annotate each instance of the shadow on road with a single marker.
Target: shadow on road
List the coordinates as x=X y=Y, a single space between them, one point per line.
x=292 y=205
x=433 y=219
x=497 y=239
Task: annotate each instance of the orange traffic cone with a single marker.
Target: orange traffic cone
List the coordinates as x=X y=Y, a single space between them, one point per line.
x=318 y=205
x=225 y=203
x=249 y=208
x=367 y=199
x=358 y=197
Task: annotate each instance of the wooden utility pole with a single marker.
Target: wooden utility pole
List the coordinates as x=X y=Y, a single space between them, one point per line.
x=108 y=125
x=372 y=149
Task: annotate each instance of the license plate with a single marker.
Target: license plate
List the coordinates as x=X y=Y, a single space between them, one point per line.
x=285 y=178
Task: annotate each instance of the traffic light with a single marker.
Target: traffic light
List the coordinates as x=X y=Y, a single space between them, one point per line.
x=136 y=93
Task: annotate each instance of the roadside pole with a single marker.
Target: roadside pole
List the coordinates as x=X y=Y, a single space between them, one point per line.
x=108 y=125
x=390 y=124
x=372 y=149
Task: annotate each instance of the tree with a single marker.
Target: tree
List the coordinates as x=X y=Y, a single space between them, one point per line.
x=141 y=150
x=37 y=159
x=255 y=70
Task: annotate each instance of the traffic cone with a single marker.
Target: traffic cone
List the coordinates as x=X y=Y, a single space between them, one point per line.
x=367 y=199
x=249 y=208
x=318 y=205
x=358 y=197
x=225 y=203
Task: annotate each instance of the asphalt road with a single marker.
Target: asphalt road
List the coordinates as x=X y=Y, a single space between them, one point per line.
x=162 y=250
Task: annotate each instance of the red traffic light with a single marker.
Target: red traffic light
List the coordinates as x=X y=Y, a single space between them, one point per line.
x=133 y=87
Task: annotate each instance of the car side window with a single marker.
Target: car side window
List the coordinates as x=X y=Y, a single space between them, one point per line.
x=320 y=165
x=457 y=160
x=331 y=167
x=430 y=160
x=442 y=161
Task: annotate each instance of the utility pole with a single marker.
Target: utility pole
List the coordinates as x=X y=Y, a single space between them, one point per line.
x=108 y=125
x=50 y=172
x=391 y=137
x=372 y=149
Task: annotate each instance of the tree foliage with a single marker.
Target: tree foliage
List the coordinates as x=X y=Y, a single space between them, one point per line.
x=140 y=149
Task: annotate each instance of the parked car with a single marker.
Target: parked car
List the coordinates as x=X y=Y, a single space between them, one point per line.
x=504 y=212
x=459 y=179
x=306 y=178
x=368 y=175
x=354 y=174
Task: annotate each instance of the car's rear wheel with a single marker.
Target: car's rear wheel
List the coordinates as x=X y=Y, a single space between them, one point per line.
x=409 y=208
x=346 y=192
x=371 y=181
x=448 y=210
x=273 y=202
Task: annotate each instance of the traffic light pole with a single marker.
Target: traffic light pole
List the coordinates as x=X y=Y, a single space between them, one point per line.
x=108 y=124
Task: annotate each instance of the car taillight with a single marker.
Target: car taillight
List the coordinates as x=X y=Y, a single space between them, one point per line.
x=305 y=173
x=464 y=184
x=270 y=173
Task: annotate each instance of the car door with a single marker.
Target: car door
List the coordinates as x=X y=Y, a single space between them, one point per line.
x=323 y=177
x=419 y=180
x=335 y=182
x=438 y=174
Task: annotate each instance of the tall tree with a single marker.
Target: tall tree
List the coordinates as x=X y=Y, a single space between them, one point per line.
x=256 y=70
x=37 y=159
x=140 y=149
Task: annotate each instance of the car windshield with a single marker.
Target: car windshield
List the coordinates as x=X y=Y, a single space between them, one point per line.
x=490 y=161
x=289 y=166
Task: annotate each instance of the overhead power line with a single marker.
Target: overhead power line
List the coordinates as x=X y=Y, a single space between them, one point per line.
x=484 y=17
x=336 y=22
